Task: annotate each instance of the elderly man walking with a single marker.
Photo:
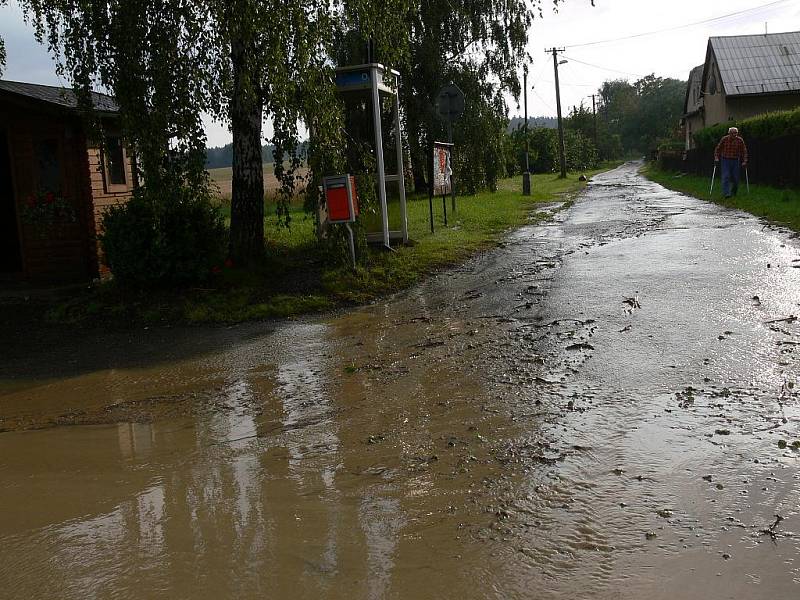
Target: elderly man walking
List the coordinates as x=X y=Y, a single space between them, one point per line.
x=733 y=152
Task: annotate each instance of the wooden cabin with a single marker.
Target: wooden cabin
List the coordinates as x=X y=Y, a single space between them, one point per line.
x=55 y=182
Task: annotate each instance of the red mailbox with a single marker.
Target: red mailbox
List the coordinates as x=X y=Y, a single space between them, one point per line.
x=341 y=198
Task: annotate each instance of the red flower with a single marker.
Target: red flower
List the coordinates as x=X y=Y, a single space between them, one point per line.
x=228 y=263
x=49 y=198
x=216 y=270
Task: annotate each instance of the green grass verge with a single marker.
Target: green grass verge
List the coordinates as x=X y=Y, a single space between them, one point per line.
x=298 y=276
x=777 y=205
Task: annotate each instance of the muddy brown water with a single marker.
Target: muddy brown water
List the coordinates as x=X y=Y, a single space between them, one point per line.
x=592 y=411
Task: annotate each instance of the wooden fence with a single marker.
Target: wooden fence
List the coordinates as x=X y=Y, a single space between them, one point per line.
x=773 y=162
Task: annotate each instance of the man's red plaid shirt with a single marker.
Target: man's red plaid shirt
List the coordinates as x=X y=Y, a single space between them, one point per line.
x=731 y=146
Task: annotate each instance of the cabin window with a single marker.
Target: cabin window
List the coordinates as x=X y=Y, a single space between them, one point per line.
x=47 y=165
x=115 y=161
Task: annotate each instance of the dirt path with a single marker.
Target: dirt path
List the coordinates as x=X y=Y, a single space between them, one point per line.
x=594 y=410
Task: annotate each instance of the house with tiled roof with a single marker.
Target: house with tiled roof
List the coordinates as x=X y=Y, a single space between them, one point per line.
x=56 y=181
x=743 y=76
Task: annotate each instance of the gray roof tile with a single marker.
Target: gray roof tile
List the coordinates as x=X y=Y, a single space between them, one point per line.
x=756 y=64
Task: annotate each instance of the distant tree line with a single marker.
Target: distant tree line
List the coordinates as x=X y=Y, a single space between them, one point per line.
x=632 y=118
x=533 y=122
x=222 y=156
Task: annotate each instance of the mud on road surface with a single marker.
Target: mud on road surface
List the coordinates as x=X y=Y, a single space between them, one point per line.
x=603 y=408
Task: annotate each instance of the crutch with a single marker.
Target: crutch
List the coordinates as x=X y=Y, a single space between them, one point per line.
x=714 y=174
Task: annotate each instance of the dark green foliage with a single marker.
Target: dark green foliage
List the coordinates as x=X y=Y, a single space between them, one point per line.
x=580 y=151
x=479 y=44
x=478 y=136
x=763 y=127
x=634 y=117
x=150 y=243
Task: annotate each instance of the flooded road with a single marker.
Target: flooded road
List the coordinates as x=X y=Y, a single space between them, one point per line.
x=602 y=408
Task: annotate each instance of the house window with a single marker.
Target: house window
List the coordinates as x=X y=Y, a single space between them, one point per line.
x=115 y=161
x=47 y=165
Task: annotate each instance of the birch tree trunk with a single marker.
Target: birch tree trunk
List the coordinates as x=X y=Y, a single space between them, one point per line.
x=247 y=197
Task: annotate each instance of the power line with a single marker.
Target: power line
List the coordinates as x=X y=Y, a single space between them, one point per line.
x=591 y=85
x=602 y=68
x=676 y=27
x=545 y=102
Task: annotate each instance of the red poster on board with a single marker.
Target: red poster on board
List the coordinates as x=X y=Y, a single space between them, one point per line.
x=442 y=168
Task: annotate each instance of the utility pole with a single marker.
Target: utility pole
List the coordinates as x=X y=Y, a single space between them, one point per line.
x=594 y=119
x=526 y=176
x=562 y=154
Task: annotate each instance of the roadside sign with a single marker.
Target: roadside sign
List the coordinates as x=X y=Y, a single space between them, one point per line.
x=442 y=168
x=441 y=176
x=450 y=102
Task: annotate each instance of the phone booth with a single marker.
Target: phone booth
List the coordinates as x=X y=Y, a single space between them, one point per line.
x=370 y=95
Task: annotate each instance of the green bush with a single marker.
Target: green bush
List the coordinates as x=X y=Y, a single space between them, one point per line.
x=764 y=127
x=150 y=243
x=579 y=150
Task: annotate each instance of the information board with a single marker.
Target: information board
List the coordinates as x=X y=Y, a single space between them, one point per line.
x=442 y=168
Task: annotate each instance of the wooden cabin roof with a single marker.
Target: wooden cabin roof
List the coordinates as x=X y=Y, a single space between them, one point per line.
x=59 y=96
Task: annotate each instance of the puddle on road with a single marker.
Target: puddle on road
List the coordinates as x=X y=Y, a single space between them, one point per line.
x=508 y=428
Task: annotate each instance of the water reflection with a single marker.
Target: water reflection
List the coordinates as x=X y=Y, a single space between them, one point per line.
x=414 y=477
x=135 y=439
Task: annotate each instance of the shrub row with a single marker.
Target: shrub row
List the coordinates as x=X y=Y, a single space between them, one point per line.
x=764 y=127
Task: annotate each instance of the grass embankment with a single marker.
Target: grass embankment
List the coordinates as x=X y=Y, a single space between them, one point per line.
x=777 y=205
x=298 y=276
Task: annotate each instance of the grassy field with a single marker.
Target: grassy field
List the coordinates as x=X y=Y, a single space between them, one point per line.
x=221 y=180
x=778 y=205
x=300 y=275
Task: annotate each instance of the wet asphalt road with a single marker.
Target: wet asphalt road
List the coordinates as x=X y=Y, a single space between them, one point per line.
x=602 y=408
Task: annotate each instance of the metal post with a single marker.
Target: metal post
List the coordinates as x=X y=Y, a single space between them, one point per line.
x=594 y=119
x=562 y=155
x=376 y=120
x=450 y=139
x=430 y=184
x=526 y=176
x=400 y=174
x=444 y=206
x=352 y=244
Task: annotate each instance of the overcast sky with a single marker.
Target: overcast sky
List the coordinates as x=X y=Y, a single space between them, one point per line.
x=668 y=54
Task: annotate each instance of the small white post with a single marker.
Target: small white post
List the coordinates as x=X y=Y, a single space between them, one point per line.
x=401 y=181
x=376 y=119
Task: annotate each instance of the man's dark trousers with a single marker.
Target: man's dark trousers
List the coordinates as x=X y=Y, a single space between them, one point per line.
x=730 y=176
